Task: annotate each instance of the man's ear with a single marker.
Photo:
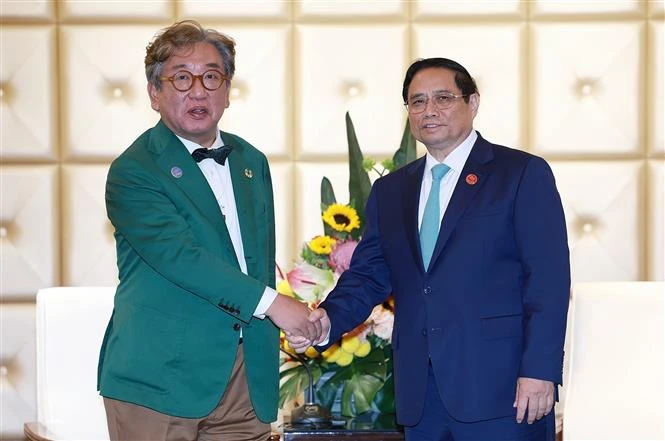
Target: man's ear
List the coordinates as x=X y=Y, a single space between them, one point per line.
x=474 y=103
x=153 y=93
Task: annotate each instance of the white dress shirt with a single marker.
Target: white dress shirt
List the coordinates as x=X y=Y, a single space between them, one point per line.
x=455 y=160
x=219 y=179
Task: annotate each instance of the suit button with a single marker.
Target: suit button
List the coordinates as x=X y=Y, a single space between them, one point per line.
x=236 y=326
x=427 y=290
x=424 y=332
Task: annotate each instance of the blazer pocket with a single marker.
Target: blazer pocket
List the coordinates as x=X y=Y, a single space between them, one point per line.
x=500 y=327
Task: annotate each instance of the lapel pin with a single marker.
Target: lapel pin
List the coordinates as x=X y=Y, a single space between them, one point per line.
x=176 y=172
x=249 y=173
x=471 y=179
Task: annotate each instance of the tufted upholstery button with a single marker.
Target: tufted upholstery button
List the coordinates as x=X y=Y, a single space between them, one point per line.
x=236 y=326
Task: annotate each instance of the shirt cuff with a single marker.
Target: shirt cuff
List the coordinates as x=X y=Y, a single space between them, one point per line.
x=269 y=296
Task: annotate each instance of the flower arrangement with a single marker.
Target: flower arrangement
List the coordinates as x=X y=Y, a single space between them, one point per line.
x=357 y=370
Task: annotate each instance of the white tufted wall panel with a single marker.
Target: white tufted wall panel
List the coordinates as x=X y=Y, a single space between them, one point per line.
x=258 y=95
x=484 y=8
x=579 y=102
x=603 y=214
x=88 y=246
x=17 y=367
x=580 y=83
x=117 y=9
x=35 y=9
x=285 y=231
x=27 y=89
x=629 y=7
x=656 y=232
x=330 y=85
x=234 y=9
x=108 y=97
x=28 y=230
x=655 y=89
x=350 y=8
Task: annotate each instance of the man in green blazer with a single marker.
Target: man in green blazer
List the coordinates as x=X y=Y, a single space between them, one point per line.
x=189 y=353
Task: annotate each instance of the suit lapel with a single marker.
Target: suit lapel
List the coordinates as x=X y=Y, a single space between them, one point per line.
x=244 y=175
x=476 y=164
x=178 y=166
x=414 y=178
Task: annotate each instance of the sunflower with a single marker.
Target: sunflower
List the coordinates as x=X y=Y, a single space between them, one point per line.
x=322 y=244
x=341 y=217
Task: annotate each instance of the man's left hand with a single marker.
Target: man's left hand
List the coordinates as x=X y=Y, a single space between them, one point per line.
x=535 y=395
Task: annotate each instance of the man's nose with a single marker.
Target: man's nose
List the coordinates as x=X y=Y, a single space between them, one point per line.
x=197 y=87
x=430 y=107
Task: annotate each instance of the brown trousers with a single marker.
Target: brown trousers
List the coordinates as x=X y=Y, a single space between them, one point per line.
x=232 y=420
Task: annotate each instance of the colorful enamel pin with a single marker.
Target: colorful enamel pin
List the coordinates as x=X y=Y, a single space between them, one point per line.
x=471 y=179
x=176 y=172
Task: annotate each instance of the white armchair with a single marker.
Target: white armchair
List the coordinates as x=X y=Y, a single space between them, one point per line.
x=615 y=387
x=70 y=327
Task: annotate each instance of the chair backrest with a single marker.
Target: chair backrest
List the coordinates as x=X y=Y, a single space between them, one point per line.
x=70 y=328
x=616 y=378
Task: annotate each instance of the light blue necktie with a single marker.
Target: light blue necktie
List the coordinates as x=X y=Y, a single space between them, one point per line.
x=429 y=228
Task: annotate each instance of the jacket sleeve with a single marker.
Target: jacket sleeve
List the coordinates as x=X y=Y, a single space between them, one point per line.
x=540 y=231
x=365 y=284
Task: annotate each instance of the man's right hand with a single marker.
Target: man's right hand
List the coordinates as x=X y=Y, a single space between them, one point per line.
x=293 y=317
x=299 y=343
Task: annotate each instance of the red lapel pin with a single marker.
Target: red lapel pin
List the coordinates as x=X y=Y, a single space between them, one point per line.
x=471 y=179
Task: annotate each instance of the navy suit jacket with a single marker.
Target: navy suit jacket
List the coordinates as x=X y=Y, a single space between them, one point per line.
x=491 y=307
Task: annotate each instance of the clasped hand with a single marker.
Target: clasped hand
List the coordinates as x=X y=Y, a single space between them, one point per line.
x=303 y=327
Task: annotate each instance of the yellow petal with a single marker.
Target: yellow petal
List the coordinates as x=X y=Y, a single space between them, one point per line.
x=363 y=349
x=350 y=344
x=344 y=359
x=332 y=353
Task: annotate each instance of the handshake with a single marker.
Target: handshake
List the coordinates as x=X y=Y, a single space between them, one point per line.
x=303 y=327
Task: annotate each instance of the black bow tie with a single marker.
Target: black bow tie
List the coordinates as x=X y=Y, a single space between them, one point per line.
x=219 y=154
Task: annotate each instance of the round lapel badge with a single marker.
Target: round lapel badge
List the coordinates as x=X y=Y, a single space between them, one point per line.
x=249 y=173
x=471 y=179
x=176 y=172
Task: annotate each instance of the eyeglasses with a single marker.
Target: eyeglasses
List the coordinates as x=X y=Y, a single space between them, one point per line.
x=184 y=80
x=442 y=101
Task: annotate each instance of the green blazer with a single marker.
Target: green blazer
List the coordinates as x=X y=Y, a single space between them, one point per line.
x=171 y=342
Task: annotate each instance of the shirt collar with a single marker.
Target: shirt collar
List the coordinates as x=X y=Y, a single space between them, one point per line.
x=191 y=145
x=457 y=158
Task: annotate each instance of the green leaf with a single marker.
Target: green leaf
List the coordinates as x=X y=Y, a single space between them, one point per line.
x=294 y=385
x=385 y=397
x=327 y=199
x=359 y=183
x=358 y=394
x=407 y=149
x=327 y=193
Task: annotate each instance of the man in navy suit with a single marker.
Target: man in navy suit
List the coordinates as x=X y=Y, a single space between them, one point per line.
x=480 y=306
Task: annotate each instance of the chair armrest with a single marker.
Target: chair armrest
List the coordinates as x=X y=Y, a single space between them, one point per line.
x=35 y=431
